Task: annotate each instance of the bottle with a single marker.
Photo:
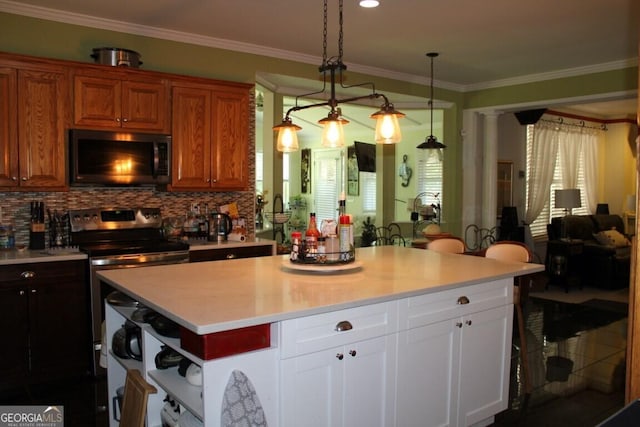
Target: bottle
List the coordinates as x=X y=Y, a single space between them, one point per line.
x=311 y=236
x=322 y=252
x=332 y=247
x=344 y=230
x=296 y=238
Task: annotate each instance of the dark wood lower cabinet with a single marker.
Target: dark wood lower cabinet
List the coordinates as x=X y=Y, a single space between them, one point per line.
x=230 y=253
x=46 y=323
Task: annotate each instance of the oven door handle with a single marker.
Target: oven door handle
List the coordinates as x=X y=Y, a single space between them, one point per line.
x=158 y=258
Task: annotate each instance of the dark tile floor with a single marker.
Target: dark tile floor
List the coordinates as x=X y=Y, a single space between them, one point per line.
x=577 y=364
x=576 y=356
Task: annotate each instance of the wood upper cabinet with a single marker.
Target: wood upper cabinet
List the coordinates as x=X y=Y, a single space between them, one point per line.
x=114 y=101
x=33 y=120
x=210 y=129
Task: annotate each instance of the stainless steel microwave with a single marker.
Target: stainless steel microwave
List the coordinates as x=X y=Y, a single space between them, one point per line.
x=118 y=158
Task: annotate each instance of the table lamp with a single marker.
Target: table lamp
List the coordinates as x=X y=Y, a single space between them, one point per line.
x=567 y=199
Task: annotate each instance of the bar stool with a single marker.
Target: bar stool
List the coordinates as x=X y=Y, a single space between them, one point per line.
x=513 y=251
x=454 y=245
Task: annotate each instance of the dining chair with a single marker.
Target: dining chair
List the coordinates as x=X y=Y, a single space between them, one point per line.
x=134 y=402
x=454 y=245
x=513 y=251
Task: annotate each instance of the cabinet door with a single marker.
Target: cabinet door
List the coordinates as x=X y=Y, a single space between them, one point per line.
x=428 y=375
x=8 y=128
x=145 y=106
x=97 y=101
x=42 y=122
x=485 y=362
x=14 y=335
x=310 y=389
x=230 y=127
x=369 y=383
x=191 y=130
x=59 y=319
x=353 y=385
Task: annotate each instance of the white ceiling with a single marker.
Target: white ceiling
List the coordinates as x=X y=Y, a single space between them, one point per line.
x=481 y=43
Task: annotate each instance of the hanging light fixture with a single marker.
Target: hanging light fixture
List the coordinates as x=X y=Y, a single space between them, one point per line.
x=431 y=142
x=387 y=127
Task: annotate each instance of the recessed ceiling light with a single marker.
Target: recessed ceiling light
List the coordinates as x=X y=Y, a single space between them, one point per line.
x=369 y=3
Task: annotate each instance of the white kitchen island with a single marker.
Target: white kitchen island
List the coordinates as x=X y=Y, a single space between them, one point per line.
x=409 y=338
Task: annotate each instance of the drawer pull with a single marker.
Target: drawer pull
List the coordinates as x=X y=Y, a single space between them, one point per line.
x=463 y=300
x=339 y=356
x=352 y=353
x=28 y=274
x=345 y=325
x=231 y=256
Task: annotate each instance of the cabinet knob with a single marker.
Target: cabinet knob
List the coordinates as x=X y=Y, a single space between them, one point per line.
x=33 y=291
x=468 y=322
x=339 y=356
x=21 y=292
x=28 y=274
x=14 y=178
x=118 y=119
x=463 y=300
x=352 y=353
x=459 y=324
x=24 y=178
x=125 y=120
x=345 y=325
x=231 y=256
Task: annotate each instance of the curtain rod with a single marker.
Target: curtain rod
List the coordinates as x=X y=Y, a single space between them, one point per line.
x=580 y=124
x=590 y=119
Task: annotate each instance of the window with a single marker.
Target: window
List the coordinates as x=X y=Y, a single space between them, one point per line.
x=368 y=192
x=429 y=176
x=539 y=226
x=326 y=182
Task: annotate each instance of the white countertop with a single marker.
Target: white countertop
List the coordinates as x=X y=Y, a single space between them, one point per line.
x=15 y=256
x=214 y=296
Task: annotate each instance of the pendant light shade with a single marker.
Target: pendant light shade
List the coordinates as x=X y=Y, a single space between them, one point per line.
x=431 y=142
x=387 y=126
x=287 y=139
x=333 y=130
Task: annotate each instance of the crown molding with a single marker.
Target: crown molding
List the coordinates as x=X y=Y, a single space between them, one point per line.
x=189 y=38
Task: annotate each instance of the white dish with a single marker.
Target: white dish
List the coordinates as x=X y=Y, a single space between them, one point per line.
x=322 y=268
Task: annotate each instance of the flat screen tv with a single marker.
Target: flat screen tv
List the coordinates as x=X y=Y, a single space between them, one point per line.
x=366 y=156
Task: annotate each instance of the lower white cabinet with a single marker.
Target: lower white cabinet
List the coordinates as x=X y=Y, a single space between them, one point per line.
x=352 y=385
x=350 y=381
x=454 y=369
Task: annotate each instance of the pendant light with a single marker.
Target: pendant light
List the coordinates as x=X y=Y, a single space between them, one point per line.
x=387 y=127
x=431 y=142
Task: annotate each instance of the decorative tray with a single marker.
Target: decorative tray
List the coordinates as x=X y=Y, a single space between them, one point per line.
x=322 y=268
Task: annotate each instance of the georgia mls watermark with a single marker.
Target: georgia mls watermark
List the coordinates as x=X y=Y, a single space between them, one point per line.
x=32 y=416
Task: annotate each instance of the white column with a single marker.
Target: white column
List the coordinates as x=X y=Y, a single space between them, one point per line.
x=490 y=172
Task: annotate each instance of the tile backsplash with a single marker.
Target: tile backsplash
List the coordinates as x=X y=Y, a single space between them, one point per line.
x=16 y=206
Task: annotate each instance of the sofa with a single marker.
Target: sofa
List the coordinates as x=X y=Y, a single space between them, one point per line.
x=606 y=257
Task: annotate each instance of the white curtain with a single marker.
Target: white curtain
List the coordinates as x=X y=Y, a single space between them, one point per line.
x=590 y=152
x=543 y=158
x=574 y=143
